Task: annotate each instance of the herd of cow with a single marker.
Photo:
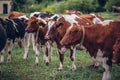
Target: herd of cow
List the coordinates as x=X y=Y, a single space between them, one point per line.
x=101 y=38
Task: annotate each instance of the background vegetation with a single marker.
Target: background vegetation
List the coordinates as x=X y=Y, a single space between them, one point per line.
x=58 y=6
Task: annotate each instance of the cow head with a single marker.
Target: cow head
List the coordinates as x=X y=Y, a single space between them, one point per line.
x=56 y=27
x=116 y=55
x=73 y=35
x=33 y=24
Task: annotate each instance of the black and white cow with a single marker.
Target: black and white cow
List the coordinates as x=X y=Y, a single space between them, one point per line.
x=3 y=37
x=15 y=29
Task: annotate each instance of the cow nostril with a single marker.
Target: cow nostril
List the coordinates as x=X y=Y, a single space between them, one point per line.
x=114 y=61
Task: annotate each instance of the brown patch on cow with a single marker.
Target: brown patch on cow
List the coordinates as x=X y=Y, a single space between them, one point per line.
x=15 y=14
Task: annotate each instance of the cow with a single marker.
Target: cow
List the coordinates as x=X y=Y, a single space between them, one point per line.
x=98 y=39
x=43 y=17
x=56 y=31
x=34 y=26
x=3 y=37
x=15 y=14
x=116 y=54
x=15 y=29
x=95 y=18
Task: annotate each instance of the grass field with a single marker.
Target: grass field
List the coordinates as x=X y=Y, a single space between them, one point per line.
x=19 y=69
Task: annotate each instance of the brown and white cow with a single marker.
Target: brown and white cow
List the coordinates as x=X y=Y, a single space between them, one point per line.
x=56 y=31
x=116 y=54
x=95 y=18
x=98 y=39
x=37 y=26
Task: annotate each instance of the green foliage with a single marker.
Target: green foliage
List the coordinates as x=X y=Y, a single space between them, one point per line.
x=111 y=3
x=80 y=5
x=18 y=5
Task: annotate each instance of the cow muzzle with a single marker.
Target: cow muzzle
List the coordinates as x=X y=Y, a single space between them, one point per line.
x=47 y=37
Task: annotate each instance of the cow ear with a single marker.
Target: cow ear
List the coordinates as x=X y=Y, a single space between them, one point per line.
x=41 y=24
x=60 y=24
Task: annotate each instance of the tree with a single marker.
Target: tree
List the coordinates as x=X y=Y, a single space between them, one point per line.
x=111 y=3
x=18 y=5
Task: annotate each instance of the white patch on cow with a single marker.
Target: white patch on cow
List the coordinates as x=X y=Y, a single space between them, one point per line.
x=10 y=47
x=96 y=19
x=60 y=66
x=62 y=50
x=105 y=22
x=98 y=59
x=71 y=19
x=24 y=17
x=55 y=15
x=37 y=52
x=32 y=14
x=2 y=56
x=99 y=56
x=26 y=43
x=50 y=24
x=107 y=73
x=73 y=56
x=14 y=24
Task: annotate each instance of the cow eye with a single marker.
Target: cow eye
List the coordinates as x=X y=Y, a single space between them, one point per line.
x=53 y=29
x=73 y=32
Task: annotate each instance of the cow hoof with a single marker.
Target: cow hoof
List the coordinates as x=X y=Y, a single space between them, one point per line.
x=93 y=67
x=36 y=64
x=74 y=68
x=47 y=63
x=1 y=63
x=60 y=69
x=24 y=59
x=8 y=60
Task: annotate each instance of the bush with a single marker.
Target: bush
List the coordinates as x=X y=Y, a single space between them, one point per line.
x=111 y=3
x=84 y=6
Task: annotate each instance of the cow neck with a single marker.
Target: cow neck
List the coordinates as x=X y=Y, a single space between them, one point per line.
x=83 y=35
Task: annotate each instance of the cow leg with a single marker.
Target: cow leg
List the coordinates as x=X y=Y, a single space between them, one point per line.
x=72 y=57
x=10 y=47
x=107 y=67
x=33 y=41
x=61 y=57
x=19 y=42
x=26 y=43
x=37 y=54
x=46 y=57
x=2 y=56
x=49 y=51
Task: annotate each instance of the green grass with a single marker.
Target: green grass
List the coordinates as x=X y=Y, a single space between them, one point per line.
x=19 y=69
